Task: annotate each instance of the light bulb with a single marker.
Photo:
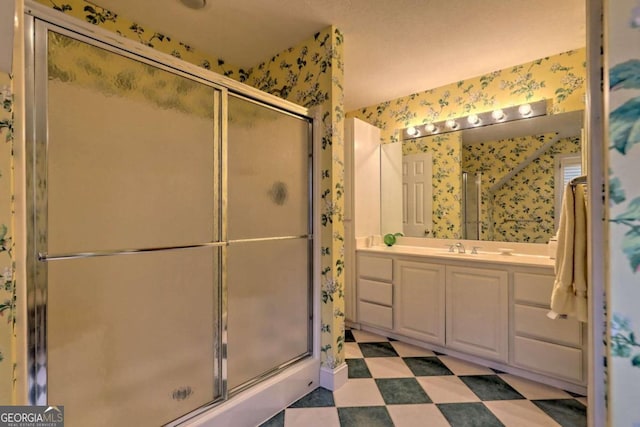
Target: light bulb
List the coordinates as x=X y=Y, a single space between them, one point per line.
x=524 y=110
x=497 y=114
x=430 y=127
x=451 y=124
x=473 y=119
x=411 y=131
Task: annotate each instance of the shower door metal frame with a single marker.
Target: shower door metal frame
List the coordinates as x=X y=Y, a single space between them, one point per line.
x=39 y=20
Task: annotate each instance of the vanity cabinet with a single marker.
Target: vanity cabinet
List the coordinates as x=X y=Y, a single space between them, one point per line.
x=420 y=301
x=477 y=316
x=496 y=312
x=540 y=344
x=375 y=291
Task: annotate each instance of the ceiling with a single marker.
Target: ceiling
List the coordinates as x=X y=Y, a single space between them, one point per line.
x=392 y=48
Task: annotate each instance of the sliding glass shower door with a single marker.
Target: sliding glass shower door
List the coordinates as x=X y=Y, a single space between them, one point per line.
x=128 y=235
x=269 y=253
x=170 y=240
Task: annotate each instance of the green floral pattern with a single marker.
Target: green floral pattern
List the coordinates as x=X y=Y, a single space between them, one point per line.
x=624 y=341
x=624 y=134
x=622 y=54
x=523 y=209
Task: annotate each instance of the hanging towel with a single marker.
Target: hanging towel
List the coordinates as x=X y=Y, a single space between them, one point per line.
x=569 y=296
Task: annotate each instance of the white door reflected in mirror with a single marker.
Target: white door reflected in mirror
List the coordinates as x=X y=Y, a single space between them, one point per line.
x=417 y=198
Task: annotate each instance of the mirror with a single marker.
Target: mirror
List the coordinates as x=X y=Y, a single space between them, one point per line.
x=500 y=182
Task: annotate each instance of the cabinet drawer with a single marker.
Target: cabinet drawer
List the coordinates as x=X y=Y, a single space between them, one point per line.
x=533 y=288
x=375 y=315
x=533 y=322
x=375 y=267
x=551 y=359
x=378 y=292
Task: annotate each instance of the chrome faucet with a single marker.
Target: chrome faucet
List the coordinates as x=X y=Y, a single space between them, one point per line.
x=460 y=247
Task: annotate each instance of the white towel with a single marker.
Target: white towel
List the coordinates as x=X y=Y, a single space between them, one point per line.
x=569 y=295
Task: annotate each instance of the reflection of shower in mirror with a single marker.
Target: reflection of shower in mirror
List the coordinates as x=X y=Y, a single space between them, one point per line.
x=471 y=204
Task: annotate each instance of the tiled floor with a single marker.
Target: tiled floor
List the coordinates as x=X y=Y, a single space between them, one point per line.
x=395 y=384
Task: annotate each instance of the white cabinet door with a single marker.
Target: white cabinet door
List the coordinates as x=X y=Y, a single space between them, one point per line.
x=362 y=198
x=420 y=301
x=478 y=312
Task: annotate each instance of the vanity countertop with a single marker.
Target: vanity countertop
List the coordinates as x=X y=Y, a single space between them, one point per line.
x=443 y=253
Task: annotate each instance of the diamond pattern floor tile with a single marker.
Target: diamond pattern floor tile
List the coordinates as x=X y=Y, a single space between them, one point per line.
x=520 y=413
x=490 y=387
x=358 y=368
x=469 y=415
x=312 y=417
x=426 y=366
x=352 y=351
x=358 y=392
x=392 y=383
x=399 y=391
x=567 y=412
x=376 y=416
x=417 y=416
x=317 y=398
x=377 y=349
x=408 y=350
x=447 y=389
x=388 y=367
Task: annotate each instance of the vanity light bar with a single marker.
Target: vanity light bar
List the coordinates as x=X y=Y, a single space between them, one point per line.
x=499 y=115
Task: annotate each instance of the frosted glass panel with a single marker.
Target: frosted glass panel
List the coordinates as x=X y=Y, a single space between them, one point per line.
x=268 y=313
x=131 y=337
x=130 y=153
x=268 y=186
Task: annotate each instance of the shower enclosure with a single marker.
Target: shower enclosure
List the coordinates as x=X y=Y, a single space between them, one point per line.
x=170 y=234
x=471 y=205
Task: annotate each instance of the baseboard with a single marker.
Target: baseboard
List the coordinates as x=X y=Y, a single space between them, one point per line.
x=333 y=379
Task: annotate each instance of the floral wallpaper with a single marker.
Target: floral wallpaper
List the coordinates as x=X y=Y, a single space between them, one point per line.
x=622 y=51
x=559 y=78
x=523 y=209
x=308 y=74
x=89 y=12
x=7 y=262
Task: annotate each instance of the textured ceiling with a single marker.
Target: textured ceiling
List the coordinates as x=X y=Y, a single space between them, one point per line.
x=392 y=47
